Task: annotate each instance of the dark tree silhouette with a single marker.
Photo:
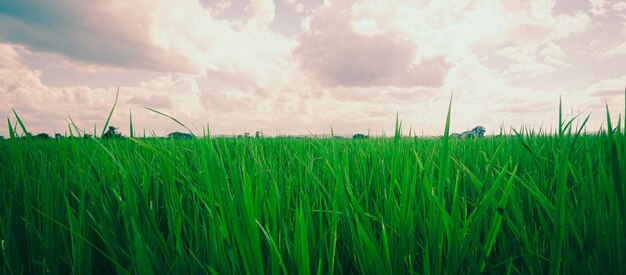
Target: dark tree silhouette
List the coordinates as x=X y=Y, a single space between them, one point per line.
x=42 y=136
x=179 y=135
x=359 y=136
x=112 y=133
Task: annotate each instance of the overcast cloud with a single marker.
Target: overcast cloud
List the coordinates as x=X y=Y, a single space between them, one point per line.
x=297 y=66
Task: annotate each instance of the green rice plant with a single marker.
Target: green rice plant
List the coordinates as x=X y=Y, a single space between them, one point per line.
x=11 y=130
x=132 y=131
x=106 y=123
x=19 y=121
x=533 y=203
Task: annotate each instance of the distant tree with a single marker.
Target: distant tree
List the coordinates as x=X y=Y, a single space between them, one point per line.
x=359 y=136
x=246 y=135
x=479 y=131
x=112 y=133
x=1 y=137
x=179 y=135
x=258 y=134
x=58 y=136
x=87 y=136
x=42 y=136
x=476 y=132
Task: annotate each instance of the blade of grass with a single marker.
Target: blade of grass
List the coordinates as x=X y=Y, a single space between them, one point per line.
x=132 y=131
x=60 y=224
x=106 y=124
x=172 y=118
x=11 y=131
x=19 y=121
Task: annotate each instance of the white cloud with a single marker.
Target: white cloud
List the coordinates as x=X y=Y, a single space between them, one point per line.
x=534 y=61
x=169 y=36
x=608 y=87
x=263 y=12
x=367 y=27
x=354 y=66
x=338 y=48
x=601 y=7
x=299 y=8
x=615 y=51
x=46 y=109
x=598 y=7
x=9 y=57
x=421 y=30
x=609 y=93
x=68 y=27
x=220 y=7
x=619 y=6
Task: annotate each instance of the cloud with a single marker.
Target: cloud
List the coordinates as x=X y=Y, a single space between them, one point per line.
x=219 y=8
x=262 y=11
x=601 y=7
x=84 y=31
x=46 y=109
x=337 y=54
x=354 y=65
x=612 y=87
x=164 y=36
x=598 y=7
x=533 y=61
x=9 y=57
x=153 y=101
x=535 y=35
x=619 y=6
x=373 y=43
x=615 y=51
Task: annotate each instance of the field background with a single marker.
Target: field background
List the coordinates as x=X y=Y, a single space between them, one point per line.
x=529 y=203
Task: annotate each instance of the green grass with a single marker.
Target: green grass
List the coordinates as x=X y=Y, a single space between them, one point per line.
x=530 y=203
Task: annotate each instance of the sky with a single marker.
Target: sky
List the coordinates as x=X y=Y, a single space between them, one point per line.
x=299 y=67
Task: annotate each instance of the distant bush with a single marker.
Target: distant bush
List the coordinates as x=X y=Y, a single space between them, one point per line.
x=478 y=131
x=179 y=135
x=42 y=136
x=112 y=133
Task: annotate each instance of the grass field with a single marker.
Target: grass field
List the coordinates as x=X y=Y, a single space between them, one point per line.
x=533 y=203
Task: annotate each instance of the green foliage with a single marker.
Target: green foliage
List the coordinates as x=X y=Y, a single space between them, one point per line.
x=530 y=204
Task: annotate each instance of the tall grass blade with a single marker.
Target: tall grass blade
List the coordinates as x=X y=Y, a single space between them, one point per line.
x=445 y=144
x=106 y=123
x=19 y=121
x=398 y=130
x=11 y=131
x=172 y=118
x=132 y=131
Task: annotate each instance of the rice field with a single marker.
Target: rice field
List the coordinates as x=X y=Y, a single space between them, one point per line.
x=528 y=203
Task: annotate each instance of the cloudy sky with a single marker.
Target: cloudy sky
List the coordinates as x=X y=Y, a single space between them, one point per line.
x=294 y=67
